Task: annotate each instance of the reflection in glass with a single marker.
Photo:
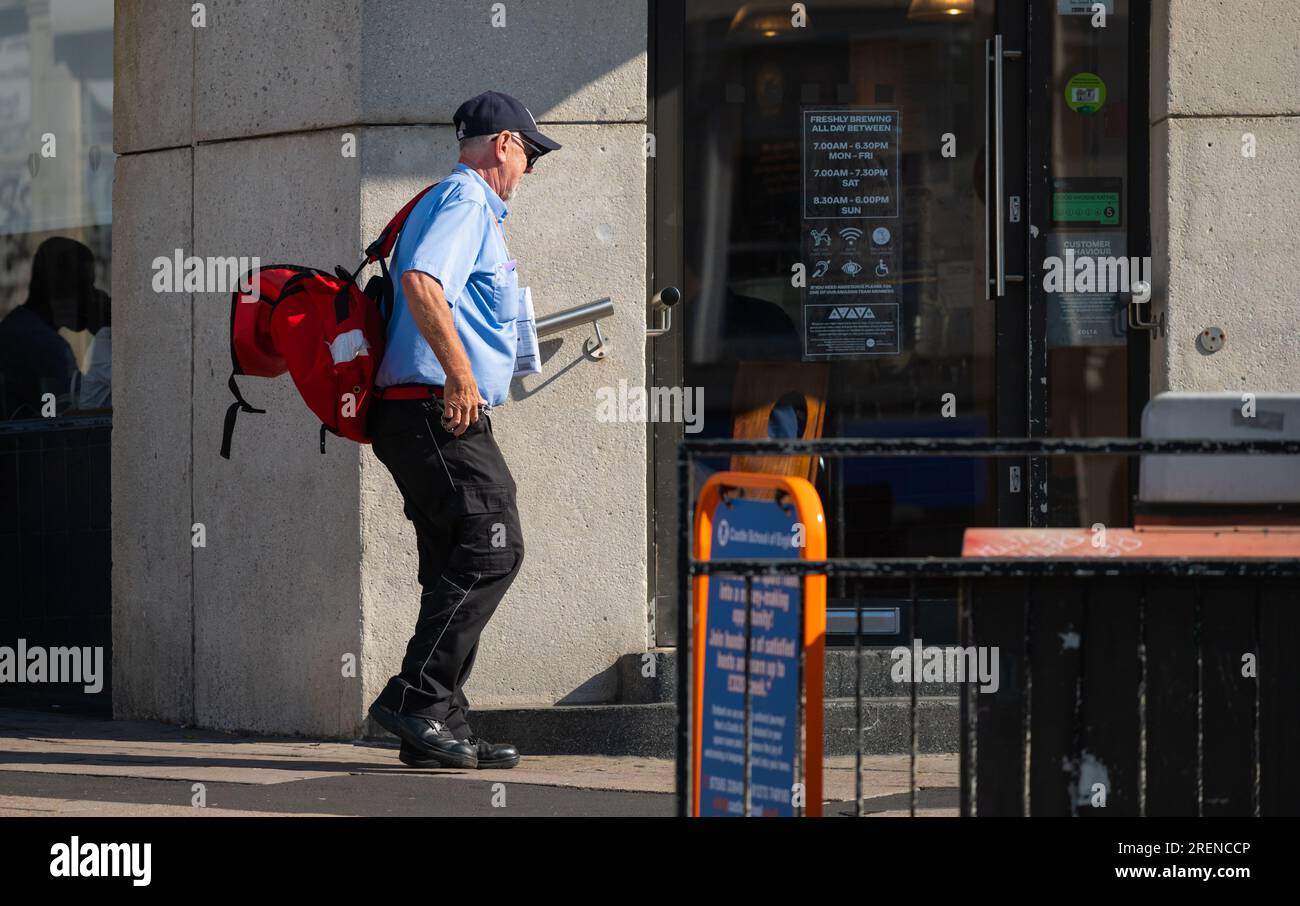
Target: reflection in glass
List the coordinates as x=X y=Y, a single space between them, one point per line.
x=56 y=179
x=748 y=87
x=1087 y=335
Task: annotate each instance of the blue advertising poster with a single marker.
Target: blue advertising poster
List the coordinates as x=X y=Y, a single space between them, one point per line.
x=751 y=528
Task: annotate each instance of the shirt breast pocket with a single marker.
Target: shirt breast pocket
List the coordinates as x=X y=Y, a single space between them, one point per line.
x=505 y=292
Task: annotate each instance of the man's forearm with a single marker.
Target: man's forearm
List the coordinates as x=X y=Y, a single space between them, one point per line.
x=433 y=318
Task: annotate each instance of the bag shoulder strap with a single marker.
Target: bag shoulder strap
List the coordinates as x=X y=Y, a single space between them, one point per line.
x=382 y=247
x=239 y=405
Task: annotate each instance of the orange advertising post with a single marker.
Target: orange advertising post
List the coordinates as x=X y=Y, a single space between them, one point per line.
x=742 y=516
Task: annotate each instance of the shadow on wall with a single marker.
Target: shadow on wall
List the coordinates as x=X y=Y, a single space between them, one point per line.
x=525 y=49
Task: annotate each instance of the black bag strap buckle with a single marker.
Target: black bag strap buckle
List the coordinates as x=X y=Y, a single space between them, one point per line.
x=239 y=405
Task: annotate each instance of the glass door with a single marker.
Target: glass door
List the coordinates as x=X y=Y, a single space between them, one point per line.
x=859 y=201
x=1093 y=366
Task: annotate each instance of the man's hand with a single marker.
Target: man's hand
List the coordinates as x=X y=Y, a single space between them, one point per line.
x=460 y=402
x=433 y=317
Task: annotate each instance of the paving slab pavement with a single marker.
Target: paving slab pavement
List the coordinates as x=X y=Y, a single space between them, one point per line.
x=54 y=763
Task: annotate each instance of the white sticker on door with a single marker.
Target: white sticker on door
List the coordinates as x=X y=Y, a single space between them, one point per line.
x=851 y=240
x=1083 y=7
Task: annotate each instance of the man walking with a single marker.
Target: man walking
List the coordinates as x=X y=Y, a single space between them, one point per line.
x=450 y=358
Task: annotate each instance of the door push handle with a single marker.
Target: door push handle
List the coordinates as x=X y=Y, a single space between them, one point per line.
x=663 y=301
x=995 y=286
x=995 y=268
x=1138 y=299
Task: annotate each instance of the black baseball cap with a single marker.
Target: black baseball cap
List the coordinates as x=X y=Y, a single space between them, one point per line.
x=494 y=111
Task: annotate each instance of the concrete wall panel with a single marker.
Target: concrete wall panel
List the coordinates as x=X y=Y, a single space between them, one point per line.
x=153 y=63
x=277 y=67
x=575 y=61
x=260 y=68
x=276 y=590
x=151 y=463
x=1225 y=58
x=1225 y=245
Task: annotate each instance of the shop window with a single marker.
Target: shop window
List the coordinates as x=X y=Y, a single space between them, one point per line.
x=56 y=184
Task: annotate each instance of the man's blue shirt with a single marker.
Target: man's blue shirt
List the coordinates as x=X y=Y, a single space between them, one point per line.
x=454 y=235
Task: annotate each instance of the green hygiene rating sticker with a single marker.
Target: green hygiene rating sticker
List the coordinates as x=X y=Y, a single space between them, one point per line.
x=1087 y=201
x=1085 y=93
x=1086 y=207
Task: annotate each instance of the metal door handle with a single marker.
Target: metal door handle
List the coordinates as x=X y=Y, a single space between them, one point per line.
x=995 y=286
x=1140 y=296
x=664 y=300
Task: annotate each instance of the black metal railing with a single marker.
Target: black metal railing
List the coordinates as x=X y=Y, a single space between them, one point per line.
x=1146 y=706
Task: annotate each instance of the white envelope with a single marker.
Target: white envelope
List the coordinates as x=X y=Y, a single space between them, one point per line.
x=528 y=359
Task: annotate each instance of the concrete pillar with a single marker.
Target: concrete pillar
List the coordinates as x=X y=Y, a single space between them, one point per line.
x=1223 y=223
x=232 y=138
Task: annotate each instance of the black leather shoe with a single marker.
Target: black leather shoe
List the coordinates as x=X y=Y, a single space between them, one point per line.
x=494 y=755
x=428 y=740
x=489 y=755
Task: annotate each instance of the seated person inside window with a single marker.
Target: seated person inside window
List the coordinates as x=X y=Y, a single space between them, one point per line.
x=34 y=358
x=95 y=390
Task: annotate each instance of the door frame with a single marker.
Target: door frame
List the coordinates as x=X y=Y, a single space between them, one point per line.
x=1039 y=97
x=665 y=260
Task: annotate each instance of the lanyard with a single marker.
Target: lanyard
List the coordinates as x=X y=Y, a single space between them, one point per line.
x=510 y=263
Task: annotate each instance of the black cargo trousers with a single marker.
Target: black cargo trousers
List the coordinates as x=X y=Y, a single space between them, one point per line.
x=460 y=496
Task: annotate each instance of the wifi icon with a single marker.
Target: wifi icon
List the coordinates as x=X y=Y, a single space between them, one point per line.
x=851 y=235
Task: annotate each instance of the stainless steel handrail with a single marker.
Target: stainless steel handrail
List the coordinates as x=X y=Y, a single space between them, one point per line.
x=572 y=317
x=596 y=346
